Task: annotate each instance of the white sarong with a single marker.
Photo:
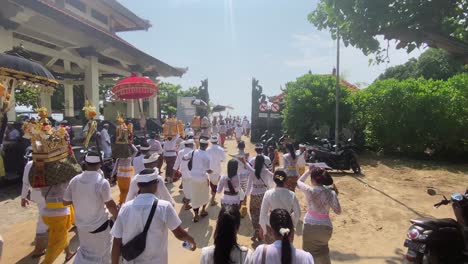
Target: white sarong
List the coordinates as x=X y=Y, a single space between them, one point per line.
x=200 y=193
x=94 y=248
x=187 y=187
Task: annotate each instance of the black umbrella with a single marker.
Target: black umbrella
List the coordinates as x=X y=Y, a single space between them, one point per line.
x=220 y=108
x=16 y=70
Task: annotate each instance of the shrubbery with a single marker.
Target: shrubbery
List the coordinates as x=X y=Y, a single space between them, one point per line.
x=414 y=115
x=409 y=116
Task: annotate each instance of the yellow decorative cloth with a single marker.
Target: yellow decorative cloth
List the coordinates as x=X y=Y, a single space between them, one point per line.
x=58 y=236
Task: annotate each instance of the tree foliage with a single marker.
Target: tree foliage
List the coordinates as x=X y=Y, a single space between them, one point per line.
x=434 y=64
x=438 y=23
x=168 y=94
x=412 y=115
x=26 y=97
x=310 y=102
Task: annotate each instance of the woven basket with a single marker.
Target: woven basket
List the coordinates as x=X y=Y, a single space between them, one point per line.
x=121 y=151
x=45 y=174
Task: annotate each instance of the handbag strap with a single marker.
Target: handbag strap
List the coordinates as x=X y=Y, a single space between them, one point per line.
x=264 y=254
x=150 y=217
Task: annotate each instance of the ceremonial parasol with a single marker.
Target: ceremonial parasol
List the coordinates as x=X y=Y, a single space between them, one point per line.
x=220 y=108
x=17 y=71
x=135 y=88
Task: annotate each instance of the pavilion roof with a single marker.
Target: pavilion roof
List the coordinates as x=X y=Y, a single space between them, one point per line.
x=160 y=68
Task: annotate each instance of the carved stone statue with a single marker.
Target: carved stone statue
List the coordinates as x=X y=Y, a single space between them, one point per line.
x=203 y=95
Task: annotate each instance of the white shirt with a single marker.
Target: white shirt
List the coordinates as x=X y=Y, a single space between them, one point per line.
x=155 y=146
x=224 y=186
x=105 y=138
x=89 y=191
x=319 y=201
x=200 y=164
x=188 y=130
x=217 y=156
x=36 y=195
x=300 y=159
x=222 y=129
x=132 y=219
x=239 y=130
x=273 y=254
x=161 y=192
x=138 y=164
x=170 y=147
x=181 y=164
x=245 y=123
x=239 y=255
x=279 y=198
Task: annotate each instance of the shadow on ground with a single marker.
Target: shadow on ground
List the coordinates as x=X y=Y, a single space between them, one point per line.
x=342 y=256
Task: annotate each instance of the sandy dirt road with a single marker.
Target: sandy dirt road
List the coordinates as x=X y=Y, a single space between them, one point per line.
x=376 y=206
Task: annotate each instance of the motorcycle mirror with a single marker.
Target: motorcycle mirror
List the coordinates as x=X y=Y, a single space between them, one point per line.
x=431 y=191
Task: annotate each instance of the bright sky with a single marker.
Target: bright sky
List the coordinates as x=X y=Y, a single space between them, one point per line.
x=231 y=41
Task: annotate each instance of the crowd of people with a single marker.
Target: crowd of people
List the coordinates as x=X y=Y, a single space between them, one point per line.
x=135 y=228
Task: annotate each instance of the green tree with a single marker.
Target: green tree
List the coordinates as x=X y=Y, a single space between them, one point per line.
x=439 y=24
x=27 y=97
x=168 y=94
x=434 y=64
x=310 y=102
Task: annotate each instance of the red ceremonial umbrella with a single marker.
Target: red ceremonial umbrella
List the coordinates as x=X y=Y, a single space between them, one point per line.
x=135 y=88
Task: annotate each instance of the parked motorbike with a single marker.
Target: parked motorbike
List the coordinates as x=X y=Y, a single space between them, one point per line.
x=345 y=159
x=444 y=240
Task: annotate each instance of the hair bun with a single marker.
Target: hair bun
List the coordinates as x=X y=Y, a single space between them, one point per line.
x=284 y=231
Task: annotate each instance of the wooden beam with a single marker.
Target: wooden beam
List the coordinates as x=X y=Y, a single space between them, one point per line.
x=67 y=56
x=67 y=66
x=51 y=62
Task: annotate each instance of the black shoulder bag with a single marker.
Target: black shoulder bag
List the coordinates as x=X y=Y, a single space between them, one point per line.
x=190 y=163
x=137 y=245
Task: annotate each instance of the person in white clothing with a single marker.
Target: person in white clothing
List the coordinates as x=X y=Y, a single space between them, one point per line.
x=245 y=126
x=301 y=154
x=199 y=170
x=320 y=199
x=170 y=155
x=230 y=184
x=244 y=172
x=282 y=251
x=260 y=180
x=35 y=195
x=133 y=217
x=222 y=132
x=89 y=192
x=279 y=197
x=217 y=156
x=225 y=248
x=181 y=165
x=188 y=131
x=150 y=162
x=105 y=141
x=137 y=162
x=238 y=131
x=155 y=147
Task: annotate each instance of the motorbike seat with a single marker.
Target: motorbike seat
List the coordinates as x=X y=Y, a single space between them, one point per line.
x=435 y=223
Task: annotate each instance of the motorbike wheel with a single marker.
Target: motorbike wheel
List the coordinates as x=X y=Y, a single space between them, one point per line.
x=355 y=166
